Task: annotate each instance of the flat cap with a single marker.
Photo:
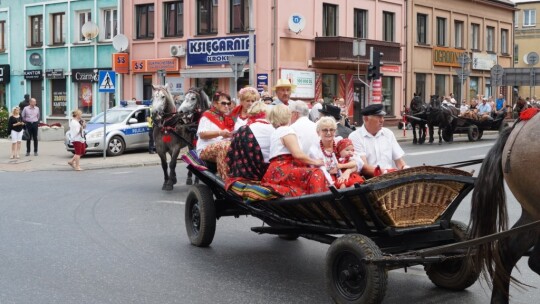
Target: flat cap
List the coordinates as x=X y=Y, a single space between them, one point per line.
x=373 y=109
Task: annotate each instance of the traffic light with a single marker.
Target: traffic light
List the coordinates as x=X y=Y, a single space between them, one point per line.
x=371 y=72
x=377 y=63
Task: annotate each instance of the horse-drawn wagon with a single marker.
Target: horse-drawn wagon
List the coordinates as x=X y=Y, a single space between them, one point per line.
x=381 y=223
x=474 y=128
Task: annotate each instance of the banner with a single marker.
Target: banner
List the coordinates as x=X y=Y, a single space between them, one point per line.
x=304 y=81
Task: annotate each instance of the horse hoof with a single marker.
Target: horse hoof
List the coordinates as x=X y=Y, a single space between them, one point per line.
x=173 y=180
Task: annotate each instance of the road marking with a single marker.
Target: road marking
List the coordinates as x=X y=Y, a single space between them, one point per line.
x=171 y=202
x=124 y=172
x=447 y=150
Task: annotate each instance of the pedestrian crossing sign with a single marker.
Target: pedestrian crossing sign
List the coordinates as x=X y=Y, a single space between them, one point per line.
x=107 y=81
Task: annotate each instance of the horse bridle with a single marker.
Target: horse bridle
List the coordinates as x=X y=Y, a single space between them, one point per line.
x=189 y=117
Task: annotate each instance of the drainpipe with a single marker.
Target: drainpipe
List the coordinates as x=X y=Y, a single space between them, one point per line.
x=406 y=62
x=251 y=46
x=274 y=43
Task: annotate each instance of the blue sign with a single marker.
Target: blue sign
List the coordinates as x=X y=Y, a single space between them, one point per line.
x=216 y=51
x=262 y=80
x=107 y=81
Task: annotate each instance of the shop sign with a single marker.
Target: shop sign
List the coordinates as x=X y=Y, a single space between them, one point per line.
x=390 y=68
x=33 y=74
x=166 y=64
x=120 y=63
x=176 y=85
x=54 y=73
x=483 y=61
x=377 y=91
x=216 y=51
x=4 y=73
x=84 y=75
x=59 y=97
x=304 y=81
x=138 y=66
x=262 y=80
x=446 y=57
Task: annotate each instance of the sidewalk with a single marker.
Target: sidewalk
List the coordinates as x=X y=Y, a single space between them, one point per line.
x=54 y=157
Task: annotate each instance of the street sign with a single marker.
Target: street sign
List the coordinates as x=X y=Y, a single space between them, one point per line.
x=532 y=58
x=107 y=80
x=463 y=59
x=463 y=74
x=497 y=73
x=237 y=64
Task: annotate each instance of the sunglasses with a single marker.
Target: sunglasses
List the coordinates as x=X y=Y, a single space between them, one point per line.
x=224 y=103
x=328 y=130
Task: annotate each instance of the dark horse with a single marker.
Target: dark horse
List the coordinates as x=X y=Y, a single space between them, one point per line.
x=442 y=116
x=174 y=130
x=418 y=118
x=512 y=159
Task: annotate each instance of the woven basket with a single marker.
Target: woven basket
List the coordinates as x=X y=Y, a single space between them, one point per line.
x=415 y=203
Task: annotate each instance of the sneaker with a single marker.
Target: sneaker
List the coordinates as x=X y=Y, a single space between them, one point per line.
x=35 y=154
x=27 y=153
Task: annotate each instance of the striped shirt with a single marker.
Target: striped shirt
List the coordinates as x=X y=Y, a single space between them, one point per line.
x=30 y=114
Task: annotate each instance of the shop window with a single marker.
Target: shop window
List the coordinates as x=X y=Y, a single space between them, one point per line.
x=388 y=92
x=109 y=24
x=329 y=87
x=388 y=26
x=145 y=21
x=58 y=28
x=421 y=85
x=360 y=23
x=3 y=103
x=174 y=18
x=440 y=85
x=239 y=10
x=85 y=97
x=441 y=31
x=36 y=31
x=458 y=34
x=421 y=28
x=82 y=18
x=209 y=85
x=147 y=87
x=58 y=97
x=330 y=20
x=207 y=17
x=473 y=87
x=2 y=36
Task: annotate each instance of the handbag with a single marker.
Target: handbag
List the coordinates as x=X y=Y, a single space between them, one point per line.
x=25 y=135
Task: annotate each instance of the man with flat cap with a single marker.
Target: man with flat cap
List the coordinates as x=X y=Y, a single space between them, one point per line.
x=333 y=111
x=377 y=145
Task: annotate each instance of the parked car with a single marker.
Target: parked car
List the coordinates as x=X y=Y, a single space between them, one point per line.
x=126 y=128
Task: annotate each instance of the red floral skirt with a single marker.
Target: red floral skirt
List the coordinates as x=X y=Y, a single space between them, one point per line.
x=217 y=152
x=290 y=177
x=354 y=178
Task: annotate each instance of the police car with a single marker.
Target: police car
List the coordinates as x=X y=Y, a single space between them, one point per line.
x=126 y=129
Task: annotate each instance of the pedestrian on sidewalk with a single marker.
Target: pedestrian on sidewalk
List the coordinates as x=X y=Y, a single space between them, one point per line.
x=76 y=127
x=24 y=103
x=31 y=117
x=15 y=128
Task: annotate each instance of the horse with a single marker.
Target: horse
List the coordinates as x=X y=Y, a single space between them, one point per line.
x=181 y=124
x=418 y=117
x=514 y=153
x=442 y=116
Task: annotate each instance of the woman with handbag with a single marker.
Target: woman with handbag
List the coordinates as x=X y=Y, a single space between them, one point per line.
x=15 y=128
x=76 y=129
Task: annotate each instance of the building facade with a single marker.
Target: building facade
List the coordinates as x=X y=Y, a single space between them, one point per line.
x=48 y=57
x=189 y=43
x=527 y=38
x=439 y=32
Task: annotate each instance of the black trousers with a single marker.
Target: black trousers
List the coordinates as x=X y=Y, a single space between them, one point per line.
x=32 y=128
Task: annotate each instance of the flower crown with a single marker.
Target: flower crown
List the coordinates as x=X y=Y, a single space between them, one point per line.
x=245 y=90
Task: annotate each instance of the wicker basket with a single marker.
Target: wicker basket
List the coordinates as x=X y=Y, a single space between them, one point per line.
x=415 y=203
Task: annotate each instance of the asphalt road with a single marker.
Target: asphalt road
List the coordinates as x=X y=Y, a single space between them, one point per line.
x=112 y=236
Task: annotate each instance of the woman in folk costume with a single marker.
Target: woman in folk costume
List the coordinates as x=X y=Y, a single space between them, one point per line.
x=249 y=154
x=289 y=172
x=214 y=132
x=247 y=96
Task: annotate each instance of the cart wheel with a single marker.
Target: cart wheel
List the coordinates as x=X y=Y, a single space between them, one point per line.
x=200 y=216
x=480 y=133
x=289 y=236
x=473 y=133
x=348 y=278
x=454 y=274
x=447 y=134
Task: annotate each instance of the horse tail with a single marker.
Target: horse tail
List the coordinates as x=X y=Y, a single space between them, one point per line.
x=488 y=219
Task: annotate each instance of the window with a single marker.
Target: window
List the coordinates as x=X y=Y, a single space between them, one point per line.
x=329 y=87
x=441 y=31
x=2 y=36
x=490 y=39
x=421 y=85
x=388 y=26
x=85 y=94
x=207 y=17
x=145 y=21
x=516 y=54
x=239 y=15
x=456 y=88
x=475 y=36
x=440 y=85
x=504 y=41
x=329 y=20
x=360 y=23
x=388 y=92
x=458 y=34
x=58 y=97
x=58 y=31
x=473 y=87
x=110 y=23
x=83 y=17
x=421 y=28
x=516 y=18
x=529 y=17
x=174 y=19
x=36 y=38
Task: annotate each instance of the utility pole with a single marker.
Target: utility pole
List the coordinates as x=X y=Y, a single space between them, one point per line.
x=251 y=46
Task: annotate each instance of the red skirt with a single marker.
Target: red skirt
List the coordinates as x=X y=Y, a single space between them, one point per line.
x=290 y=177
x=354 y=178
x=80 y=148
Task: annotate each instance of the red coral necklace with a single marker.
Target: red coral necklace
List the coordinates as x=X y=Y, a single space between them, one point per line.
x=324 y=150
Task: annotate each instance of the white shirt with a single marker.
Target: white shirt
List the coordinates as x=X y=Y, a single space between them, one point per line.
x=314 y=113
x=239 y=122
x=75 y=130
x=381 y=149
x=276 y=144
x=316 y=153
x=306 y=130
x=206 y=125
x=262 y=133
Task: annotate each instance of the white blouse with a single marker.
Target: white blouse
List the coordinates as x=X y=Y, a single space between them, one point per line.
x=75 y=130
x=206 y=124
x=263 y=132
x=276 y=144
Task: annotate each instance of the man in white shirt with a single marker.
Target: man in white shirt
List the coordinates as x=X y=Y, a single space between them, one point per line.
x=314 y=113
x=376 y=145
x=284 y=89
x=305 y=129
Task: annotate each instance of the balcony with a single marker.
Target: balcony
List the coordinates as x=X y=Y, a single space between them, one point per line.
x=332 y=52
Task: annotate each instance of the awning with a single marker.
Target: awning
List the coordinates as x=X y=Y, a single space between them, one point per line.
x=209 y=73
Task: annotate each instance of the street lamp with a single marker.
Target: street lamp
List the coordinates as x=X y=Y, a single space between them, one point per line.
x=90 y=30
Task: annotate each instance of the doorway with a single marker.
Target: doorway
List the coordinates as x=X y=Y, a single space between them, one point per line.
x=37 y=93
x=360 y=101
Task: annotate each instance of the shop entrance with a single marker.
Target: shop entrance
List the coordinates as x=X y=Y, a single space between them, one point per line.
x=37 y=93
x=360 y=101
